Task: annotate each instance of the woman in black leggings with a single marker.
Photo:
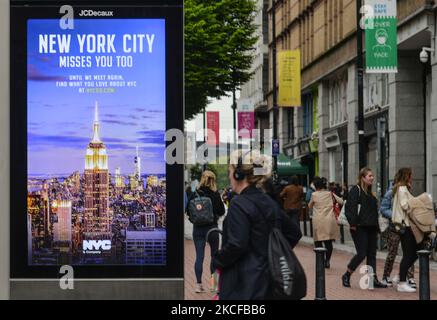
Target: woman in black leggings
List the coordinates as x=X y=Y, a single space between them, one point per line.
x=362 y=215
x=402 y=193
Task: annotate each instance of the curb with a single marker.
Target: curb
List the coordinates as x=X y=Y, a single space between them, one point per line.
x=380 y=255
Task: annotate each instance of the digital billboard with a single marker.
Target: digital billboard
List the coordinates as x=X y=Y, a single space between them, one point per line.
x=90 y=106
x=95 y=139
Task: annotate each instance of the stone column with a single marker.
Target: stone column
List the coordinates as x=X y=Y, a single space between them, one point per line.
x=406 y=119
x=352 y=127
x=323 y=121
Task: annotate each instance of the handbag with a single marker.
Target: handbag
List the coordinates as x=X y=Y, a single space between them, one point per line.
x=335 y=206
x=342 y=219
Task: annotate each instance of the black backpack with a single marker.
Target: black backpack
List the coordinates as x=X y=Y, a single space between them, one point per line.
x=200 y=210
x=288 y=279
x=287 y=274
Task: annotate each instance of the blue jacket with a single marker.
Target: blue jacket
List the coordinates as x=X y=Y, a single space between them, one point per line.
x=386 y=203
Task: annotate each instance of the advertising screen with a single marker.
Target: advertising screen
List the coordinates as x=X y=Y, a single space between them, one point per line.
x=90 y=105
x=95 y=139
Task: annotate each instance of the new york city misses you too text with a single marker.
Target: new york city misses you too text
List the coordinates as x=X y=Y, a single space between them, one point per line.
x=95 y=43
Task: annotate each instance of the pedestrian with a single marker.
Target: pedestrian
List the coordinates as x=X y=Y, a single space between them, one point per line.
x=243 y=258
x=325 y=225
x=293 y=196
x=207 y=188
x=273 y=190
x=362 y=214
x=310 y=190
x=344 y=191
x=392 y=239
x=401 y=196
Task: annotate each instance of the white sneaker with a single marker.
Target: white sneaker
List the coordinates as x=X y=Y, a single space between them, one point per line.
x=412 y=283
x=387 y=281
x=199 y=288
x=404 y=287
x=395 y=280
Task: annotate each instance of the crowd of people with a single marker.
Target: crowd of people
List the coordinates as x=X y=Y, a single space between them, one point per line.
x=254 y=201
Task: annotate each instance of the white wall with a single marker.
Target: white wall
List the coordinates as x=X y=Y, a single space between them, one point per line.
x=4 y=149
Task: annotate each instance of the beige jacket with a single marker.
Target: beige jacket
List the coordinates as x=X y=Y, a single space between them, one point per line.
x=401 y=207
x=325 y=225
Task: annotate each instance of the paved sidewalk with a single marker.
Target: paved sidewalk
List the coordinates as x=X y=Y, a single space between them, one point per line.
x=334 y=289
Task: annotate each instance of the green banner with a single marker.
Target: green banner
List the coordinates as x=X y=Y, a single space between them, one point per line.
x=381 y=37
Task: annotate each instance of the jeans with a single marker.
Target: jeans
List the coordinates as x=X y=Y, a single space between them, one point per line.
x=199 y=238
x=409 y=248
x=365 y=240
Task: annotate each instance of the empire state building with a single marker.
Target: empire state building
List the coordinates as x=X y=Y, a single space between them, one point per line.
x=97 y=216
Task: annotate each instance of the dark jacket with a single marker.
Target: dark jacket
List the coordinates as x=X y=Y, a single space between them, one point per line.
x=243 y=257
x=368 y=216
x=217 y=204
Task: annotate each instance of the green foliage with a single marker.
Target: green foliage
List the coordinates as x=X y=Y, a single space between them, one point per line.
x=220 y=171
x=219 y=44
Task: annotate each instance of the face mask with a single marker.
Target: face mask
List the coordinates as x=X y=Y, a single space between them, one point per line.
x=381 y=40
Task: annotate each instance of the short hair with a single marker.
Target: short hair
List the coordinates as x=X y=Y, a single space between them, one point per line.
x=320 y=183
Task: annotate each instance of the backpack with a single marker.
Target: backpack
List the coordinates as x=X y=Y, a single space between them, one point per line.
x=287 y=274
x=200 y=210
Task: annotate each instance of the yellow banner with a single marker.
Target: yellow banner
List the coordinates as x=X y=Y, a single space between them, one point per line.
x=289 y=78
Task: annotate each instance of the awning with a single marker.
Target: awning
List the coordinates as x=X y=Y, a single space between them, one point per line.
x=290 y=167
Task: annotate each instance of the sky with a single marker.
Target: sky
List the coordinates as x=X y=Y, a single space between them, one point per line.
x=223 y=106
x=60 y=120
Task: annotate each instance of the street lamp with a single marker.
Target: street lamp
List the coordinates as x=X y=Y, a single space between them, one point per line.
x=424 y=57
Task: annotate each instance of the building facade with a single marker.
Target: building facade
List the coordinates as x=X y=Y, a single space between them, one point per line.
x=255 y=89
x=322 y=133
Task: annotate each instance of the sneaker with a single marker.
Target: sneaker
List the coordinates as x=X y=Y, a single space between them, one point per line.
x=404 y=287
x=199 y=288
x=396 y=280
x=387 y=281
x=412 y=283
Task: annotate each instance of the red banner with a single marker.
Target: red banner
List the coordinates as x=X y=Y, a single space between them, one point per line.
x=213 y=127
x=246 y=123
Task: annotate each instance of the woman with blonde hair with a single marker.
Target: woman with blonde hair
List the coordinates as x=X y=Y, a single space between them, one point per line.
x=207 y=188
x=401 y=196
x=243 y=258
x=362 y=214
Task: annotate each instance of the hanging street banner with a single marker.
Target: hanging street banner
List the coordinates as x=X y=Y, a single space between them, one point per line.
x=213 y=126
x=246 y=118
x=289 y=78
x=381 y=36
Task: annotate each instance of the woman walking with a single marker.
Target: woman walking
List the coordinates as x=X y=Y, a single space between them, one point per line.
x=325 y=225
x=402 y=194
x=362 y=215
x=243 y=258
x=207 y=188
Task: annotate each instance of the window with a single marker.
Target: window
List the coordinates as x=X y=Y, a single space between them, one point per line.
x=332 y=166
x=376 y=91
x=337 y=101
x=308 y=114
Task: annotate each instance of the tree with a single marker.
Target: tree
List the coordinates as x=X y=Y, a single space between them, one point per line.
x=219 y=44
